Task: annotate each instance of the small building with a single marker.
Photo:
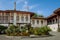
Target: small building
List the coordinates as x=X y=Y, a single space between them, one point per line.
x=53 y=20
x=38 y=21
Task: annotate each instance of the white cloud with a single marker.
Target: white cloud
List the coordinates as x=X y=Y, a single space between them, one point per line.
x=28 y=7
x=33 y=6
x=40 y=12
x=25 y=6
x=26 y=2
x=20 y=1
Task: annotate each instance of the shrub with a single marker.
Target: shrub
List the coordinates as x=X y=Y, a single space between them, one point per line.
x=13 y=30
x=45 y=30
x=41 y=31
x=28 y=26
x=2 y=28
x=25 y=30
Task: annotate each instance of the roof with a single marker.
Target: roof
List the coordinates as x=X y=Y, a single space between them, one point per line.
x=38 y=18
x=57 y=10
x=51 y=16
x=54 y=13
x=17 y=11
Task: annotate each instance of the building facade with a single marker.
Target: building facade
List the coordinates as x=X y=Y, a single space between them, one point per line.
x=15 y=17
x=21 y=18
x=53 y=20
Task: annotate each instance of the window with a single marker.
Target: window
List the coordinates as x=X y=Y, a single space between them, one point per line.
x=26 y=18
x=37 y=21
x=47 y=22
x=12 y=14
x=56 y=20
x=2 y=14
x=33 y=22
x=0 y=19
x=11 y=19
x=53 y=21
x=41 y=22
x=22 y=18
x=50 y=22
x=7 y=14
x=17 y=18
x=6 y=19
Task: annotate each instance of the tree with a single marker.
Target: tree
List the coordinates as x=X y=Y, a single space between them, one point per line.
x=36 y=15
x=41 y=16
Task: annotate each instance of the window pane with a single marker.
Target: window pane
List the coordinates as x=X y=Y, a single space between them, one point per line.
x=41 y=22
x=22 y=18
x=33 y=22
x=2 y=14
x=56 y=20
x=26 y=18
x=37 y=21
x=7 y=14
x=17 y=18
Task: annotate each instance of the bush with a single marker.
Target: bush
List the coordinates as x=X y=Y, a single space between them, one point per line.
x=13 y=30
x=45 y=30
x=25 y=30
x=41 y=31
x=2 y=29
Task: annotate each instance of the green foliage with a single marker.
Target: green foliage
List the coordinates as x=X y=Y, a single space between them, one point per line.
x=28 y=27
x=2 y=28
x=36 y=15
x=45 y=30
x=26 y=30
x=13 y=30
x=40 y=15
x=23 y=29
x=41 y=31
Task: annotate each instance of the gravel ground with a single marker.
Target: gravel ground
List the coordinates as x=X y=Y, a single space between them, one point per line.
x=56 y=36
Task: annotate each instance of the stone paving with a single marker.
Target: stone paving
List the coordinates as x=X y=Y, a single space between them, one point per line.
x=56 y=36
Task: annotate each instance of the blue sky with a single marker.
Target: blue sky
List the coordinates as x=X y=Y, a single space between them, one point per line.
x=43 y=7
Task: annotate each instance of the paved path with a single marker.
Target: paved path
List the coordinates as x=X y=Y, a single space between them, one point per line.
x=56 y=36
